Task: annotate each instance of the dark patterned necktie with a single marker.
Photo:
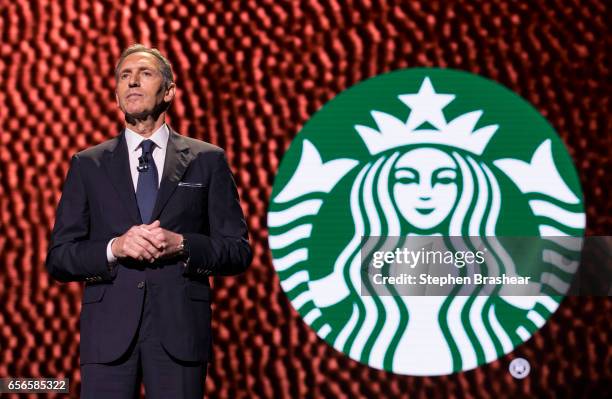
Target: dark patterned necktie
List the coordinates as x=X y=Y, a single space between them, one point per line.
x=146 y=188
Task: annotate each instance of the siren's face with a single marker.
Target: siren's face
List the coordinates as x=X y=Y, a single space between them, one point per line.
x=425 y=186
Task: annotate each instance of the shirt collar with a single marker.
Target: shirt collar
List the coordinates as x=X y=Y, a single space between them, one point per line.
x=160 y=138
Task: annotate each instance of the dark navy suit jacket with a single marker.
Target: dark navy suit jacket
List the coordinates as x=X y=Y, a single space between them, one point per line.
x=197 y=198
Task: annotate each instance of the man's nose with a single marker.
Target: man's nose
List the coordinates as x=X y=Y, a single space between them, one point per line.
x=134 y=82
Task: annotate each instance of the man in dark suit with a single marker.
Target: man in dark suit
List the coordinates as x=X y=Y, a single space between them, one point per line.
x=144 y=219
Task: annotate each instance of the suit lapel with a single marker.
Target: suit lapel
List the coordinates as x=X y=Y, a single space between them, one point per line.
x=175 y=165
x=117 y=166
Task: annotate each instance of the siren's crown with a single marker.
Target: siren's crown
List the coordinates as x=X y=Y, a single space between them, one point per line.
x=426 y=106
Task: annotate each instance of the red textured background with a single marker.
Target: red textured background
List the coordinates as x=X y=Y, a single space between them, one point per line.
x=250 y=74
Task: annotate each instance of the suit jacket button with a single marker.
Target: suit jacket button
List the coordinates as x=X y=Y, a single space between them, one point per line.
x=141 y=284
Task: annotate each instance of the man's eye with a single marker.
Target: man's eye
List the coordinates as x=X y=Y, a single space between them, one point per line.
x=123 y=76
x=147 y=73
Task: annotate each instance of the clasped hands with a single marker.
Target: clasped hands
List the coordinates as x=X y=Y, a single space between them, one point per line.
x=147 y=242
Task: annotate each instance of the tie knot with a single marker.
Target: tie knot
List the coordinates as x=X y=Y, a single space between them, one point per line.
x=147 y=145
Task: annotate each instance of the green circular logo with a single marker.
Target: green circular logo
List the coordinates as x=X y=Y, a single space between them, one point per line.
x=421 y=152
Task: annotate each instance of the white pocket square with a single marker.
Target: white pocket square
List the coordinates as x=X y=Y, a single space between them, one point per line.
x=189 y=184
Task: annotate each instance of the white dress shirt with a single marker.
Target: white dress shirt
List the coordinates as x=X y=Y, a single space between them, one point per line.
x=133 y=140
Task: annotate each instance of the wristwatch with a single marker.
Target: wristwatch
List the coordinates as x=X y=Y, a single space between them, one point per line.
x=183 y=248
x=184 y=253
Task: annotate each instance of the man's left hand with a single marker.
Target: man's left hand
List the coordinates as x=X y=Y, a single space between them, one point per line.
x=171 y=241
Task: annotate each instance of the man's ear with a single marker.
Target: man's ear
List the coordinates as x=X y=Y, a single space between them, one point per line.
x=170 y=93
x=117 y=99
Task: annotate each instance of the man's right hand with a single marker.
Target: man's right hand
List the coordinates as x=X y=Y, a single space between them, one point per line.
x=142 y=242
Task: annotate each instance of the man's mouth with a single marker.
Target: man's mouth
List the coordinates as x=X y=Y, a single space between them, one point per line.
x=425 y=211
x=132 y=95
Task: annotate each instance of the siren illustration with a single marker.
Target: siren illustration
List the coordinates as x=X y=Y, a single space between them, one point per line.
x=424 y=175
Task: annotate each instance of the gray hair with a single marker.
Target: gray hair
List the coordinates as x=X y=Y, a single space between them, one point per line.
x=164 y=65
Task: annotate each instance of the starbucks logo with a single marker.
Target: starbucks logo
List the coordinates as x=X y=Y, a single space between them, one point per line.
x=423 y=152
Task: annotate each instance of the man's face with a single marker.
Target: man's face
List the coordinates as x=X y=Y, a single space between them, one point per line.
x=140 y=85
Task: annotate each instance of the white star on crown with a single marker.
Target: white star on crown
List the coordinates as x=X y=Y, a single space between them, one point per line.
x=426 y=106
